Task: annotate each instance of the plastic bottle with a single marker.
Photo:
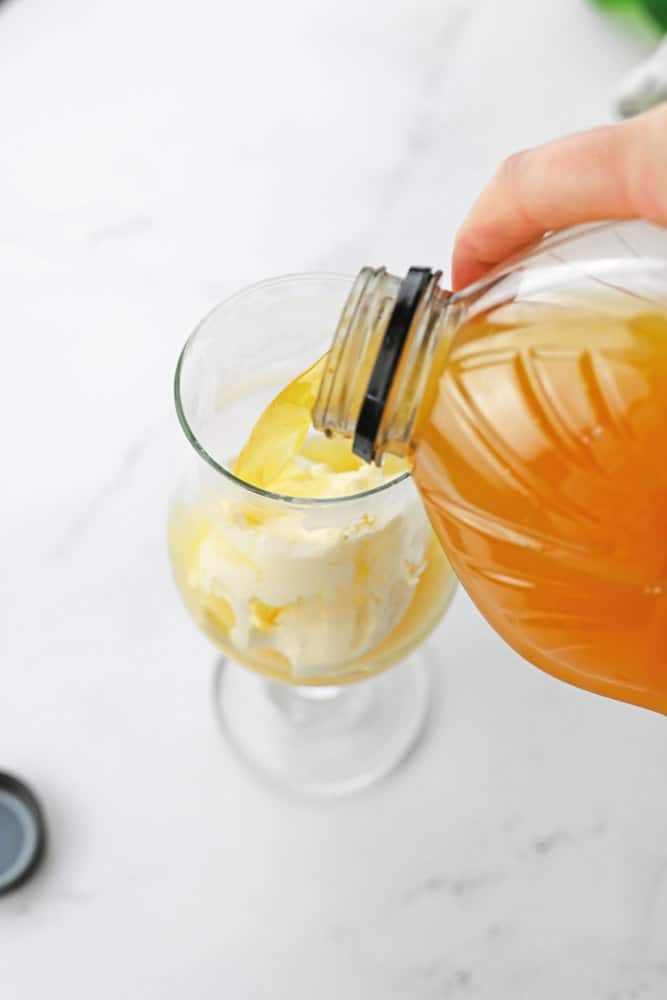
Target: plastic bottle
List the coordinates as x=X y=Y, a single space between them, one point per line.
x=533 y=408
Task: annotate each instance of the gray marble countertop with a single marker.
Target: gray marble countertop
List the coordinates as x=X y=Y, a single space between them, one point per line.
x=155 y=157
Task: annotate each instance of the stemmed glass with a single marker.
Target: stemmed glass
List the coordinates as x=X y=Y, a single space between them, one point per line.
x=310 y=600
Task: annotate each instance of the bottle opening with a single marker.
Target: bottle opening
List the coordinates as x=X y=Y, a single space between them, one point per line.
x=387 y=360
x=378 y=361
x=358 y=336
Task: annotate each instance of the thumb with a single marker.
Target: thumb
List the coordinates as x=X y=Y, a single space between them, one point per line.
x=608 y=173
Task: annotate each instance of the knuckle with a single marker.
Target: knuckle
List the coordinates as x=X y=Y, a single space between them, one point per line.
x=512 y=168
x=649 y=174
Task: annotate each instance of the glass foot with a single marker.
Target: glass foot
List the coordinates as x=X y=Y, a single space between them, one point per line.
x=323 y=741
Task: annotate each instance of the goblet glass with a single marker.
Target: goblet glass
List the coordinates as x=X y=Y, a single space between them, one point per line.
x=309 y=599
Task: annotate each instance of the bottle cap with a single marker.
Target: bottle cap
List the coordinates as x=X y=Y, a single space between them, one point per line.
x=410 y=292
x=22 y=833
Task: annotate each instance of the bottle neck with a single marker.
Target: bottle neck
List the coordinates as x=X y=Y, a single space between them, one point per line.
x=380 y=359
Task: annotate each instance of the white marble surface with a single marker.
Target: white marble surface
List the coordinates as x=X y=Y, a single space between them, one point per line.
x=156 y=156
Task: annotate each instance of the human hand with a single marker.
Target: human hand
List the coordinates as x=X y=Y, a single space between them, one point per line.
x=616 y=172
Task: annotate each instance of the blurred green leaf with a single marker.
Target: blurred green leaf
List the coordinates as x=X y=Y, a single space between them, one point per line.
x=655 y=11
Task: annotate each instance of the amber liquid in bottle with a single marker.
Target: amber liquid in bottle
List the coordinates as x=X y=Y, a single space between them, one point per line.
x=533 y=409
x=540 y=450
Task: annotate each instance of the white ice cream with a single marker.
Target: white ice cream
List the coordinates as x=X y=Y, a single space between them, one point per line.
x=320 y=586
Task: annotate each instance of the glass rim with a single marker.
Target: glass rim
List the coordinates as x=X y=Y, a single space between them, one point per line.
x=213 y=462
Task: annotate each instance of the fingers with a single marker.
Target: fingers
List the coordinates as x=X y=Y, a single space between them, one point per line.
x=614 y=172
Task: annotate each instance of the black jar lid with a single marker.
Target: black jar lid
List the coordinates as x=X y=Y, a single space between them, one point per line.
x=22 y=833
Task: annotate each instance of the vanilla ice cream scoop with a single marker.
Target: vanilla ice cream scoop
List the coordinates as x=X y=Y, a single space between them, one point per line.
x=317 y=587
x=319 y=594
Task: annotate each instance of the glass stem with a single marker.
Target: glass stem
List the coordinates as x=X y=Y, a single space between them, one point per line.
x=332 y=706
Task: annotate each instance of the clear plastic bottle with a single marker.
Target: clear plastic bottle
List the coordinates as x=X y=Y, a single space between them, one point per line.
x=533 y=407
